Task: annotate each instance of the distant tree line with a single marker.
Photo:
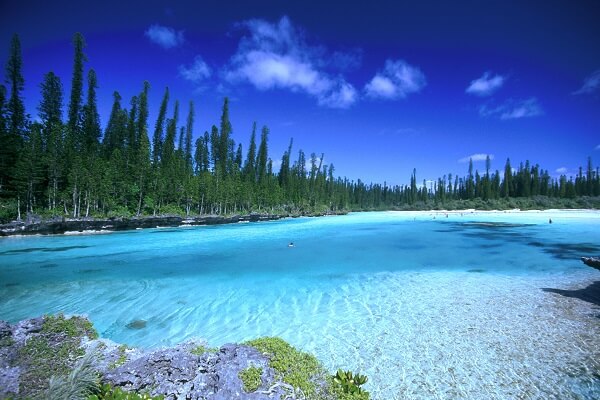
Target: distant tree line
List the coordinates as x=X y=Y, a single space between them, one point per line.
x=68 y=167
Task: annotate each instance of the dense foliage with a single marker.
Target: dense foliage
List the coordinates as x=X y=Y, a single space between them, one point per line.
x=53 y=167
x=251 y=378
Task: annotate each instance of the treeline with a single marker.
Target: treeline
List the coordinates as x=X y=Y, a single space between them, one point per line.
x=68 y=167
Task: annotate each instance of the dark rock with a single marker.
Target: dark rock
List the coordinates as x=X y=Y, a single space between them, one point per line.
x=593 y=262
x=61 y=225
x=23 y=329
x=5 y=329
x=176 y=373
x=9 y=381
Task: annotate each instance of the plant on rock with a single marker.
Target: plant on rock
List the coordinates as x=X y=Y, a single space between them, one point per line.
x=350 y=384
x=108 y=392
x=251 y=378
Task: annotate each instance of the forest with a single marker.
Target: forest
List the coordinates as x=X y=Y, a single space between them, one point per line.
x=57 y=166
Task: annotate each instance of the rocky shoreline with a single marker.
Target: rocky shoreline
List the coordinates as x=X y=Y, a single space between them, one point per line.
x=56 y=226
x=36 y=351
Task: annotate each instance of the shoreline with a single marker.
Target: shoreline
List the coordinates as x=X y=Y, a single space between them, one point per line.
x=82 y=226
x=89 y=226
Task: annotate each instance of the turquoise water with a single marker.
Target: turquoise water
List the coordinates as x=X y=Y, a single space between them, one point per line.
x=427 y=306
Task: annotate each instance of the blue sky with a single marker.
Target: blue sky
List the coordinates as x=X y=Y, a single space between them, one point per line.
x=379 y=87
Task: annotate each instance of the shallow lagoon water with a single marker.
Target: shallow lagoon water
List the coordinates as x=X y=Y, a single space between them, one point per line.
x=427 y=306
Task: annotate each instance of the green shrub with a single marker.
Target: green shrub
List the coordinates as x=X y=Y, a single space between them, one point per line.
x=72 y=327
x=120 y=211
x=122 y=357
x=82 y=381
x=349 y=385
x=295 y=367
x=8 y=210
x=107 y=392
x=53 y=351
x=199 y=350
x=251 y=378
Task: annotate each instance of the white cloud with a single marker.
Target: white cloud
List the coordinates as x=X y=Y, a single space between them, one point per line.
x=590 y=84
x=597 y=147
x=164 y=36
x=476 y=157
x=276 y=56
x=196 y=72
x=513 y=109
x=562 y=170
x=397 y=80
x=486 y=85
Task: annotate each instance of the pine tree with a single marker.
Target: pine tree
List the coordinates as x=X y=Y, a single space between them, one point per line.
x=50 y=113
x=13 y=138
x=5 y=149
x=214 y=148
x=50 y=108
x=507 y=190
x=238 y=157
x=262 y=157
x=188 y=137
x=91 y=119
x=284 y=171
x=131 y=128
x=3 y=112
x=199 y=156
x=17 y=123
x=589 y=178
x=143 y=153
x=75 y=140
x=114 y=135
x=75 y=105
x=30 y=170
x=250 y=166
x=225 y=133
x=157 y=139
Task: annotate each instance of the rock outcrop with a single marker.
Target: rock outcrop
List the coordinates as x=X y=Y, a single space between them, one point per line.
x=593 y=262
x=180 y=374
x=186 y=371
x=62 y=225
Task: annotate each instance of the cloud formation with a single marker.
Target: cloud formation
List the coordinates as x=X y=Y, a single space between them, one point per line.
x=476 y=157
x=196 y=72
x=562 y=170
x=397 y=80
x=597 y=147
x=513 y=109
x=276 y=56
x=164 y=36
x=590 y=84
x=486 y=85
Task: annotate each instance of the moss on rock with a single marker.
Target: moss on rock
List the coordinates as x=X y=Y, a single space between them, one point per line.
x=295 y=367
x=53 y=351
x=251 y=378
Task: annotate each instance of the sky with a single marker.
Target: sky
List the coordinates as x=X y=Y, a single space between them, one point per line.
x=379 y=87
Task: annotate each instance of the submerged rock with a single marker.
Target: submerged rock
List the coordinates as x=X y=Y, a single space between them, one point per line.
x=137 y=324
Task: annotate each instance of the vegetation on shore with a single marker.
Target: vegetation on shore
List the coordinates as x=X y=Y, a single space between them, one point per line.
x=55 y=365
x=51 y=166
